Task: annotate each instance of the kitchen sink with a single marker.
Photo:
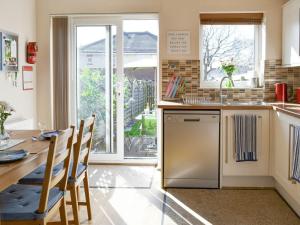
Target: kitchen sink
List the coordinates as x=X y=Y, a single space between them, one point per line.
x=197 y=100
x=258 y=103
x=234 y=103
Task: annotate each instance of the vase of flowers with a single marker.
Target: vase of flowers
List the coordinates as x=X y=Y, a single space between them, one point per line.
x=5 y=111
x=228 y=68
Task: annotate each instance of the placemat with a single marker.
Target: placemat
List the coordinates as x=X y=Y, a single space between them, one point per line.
x=11 y=143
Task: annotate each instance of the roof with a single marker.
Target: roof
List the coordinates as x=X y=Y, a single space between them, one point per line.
x=134 y=42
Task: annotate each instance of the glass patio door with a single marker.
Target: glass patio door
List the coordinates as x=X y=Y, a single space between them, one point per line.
x=98 y=76
x=115 y=60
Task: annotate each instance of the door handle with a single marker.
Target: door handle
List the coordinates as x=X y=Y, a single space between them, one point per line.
x=291 y=127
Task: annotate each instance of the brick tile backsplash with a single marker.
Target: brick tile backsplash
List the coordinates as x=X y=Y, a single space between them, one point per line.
x=190 y=71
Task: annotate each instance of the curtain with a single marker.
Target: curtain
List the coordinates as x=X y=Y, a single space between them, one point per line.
x=60 y=41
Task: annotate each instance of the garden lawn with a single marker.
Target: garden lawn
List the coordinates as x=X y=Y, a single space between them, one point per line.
x=142 y=127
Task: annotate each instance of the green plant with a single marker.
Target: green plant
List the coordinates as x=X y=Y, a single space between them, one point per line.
x=150 y=127
x=5 y=112
x=135 y=130
x=229 y=68
x=92 y=99
x=144 y=127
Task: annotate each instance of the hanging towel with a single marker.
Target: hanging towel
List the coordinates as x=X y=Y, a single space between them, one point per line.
x=296 y=155
x=245 y=137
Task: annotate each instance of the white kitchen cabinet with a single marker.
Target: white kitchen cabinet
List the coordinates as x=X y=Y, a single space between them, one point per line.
x=257 y=168
x=290 y=33
x=282 y=137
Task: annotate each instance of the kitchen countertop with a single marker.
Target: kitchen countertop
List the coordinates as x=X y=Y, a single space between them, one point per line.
x=288 y=108
x=215 y=105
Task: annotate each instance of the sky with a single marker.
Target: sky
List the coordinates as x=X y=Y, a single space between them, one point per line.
x=87 y=35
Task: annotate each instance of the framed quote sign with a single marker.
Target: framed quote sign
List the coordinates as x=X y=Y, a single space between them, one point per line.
x=179 y=42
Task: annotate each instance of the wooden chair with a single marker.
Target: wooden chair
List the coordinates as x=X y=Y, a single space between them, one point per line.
x=78 y=170
x=31 y=204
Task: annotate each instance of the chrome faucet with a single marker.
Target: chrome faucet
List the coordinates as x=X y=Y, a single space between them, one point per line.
x=221 y=86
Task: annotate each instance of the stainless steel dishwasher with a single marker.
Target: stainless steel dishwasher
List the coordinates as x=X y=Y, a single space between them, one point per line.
x=191 y=148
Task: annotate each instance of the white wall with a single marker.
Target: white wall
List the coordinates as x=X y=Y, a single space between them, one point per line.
x=174 y=15
x=184 y=15
x=45 y=8
x=19 y=16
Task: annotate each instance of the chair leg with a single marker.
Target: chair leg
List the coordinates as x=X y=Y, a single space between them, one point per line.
x=74 y=203
x=63 y=213
x=78 y=194
x=87 y=195
x=45 y=223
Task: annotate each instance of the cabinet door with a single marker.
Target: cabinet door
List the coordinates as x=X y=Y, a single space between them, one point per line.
x=295 y=190
x=281 y=145
x=290 y=33
x=257 y=168
x=282 y=135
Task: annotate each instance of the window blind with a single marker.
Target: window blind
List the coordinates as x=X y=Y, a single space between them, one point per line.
x=231 y=18
x=60 y=72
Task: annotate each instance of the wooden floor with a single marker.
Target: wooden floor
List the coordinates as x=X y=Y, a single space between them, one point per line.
x=149 y=205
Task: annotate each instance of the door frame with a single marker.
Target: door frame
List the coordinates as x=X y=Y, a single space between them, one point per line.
x=74 y=22
x=102 y=20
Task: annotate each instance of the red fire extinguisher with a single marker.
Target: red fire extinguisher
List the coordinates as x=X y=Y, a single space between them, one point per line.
x=32 y=49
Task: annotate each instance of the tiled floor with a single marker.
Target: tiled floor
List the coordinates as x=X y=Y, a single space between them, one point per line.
x=121 y=176
x=150 y=205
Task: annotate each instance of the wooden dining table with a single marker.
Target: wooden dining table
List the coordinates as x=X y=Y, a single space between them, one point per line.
x=10 y=173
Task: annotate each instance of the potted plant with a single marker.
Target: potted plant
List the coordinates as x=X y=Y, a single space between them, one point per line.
x=228 y=68
x=5 y=112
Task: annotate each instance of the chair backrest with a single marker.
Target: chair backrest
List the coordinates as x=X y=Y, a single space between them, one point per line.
x=60 y=149
x=83 y=145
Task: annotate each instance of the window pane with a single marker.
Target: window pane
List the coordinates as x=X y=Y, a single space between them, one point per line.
x=140 y=70
x=94 y=90
x=221 y=43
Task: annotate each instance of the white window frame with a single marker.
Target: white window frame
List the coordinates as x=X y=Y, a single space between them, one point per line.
x=259 y=62
x=104 y=20
x=107 y=21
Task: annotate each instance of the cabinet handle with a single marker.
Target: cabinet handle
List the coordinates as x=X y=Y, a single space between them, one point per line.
x=259 y=117
x=291 y=127
x=226 y=139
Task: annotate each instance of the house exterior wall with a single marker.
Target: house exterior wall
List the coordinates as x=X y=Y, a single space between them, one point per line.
x=97 y=60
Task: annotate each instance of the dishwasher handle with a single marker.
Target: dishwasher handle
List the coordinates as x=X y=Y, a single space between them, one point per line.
x=191 y=120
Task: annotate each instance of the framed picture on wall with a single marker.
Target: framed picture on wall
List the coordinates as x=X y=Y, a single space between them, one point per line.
x=9 y=47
